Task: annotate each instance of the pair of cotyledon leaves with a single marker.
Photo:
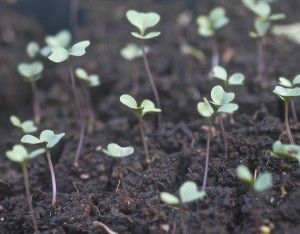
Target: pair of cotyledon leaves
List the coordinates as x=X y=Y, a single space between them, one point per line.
x=261 y=184
x=91 y=80
x=132 y=51
x=117 y=151
x=143 y=21
x=289 y=90
x=209 y=24
x=188 y=192
x=220 y=99
x=27 y=126
x=235 y=79
x=47 y=137
x=20 y=154
x=31 y=71
x=146 y=106
x=286 y=150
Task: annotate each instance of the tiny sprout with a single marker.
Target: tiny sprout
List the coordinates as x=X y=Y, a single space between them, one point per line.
x=48 y=139
x=119 y=153
x=235 y=79
x=188 y=192
x=286 y=94
x=90 y=80
x=132 y=51
x=286 y=151
x=31 y=73
x=26 y=127
x=215 y=20
x=143 y=21
x=32 y=49
x=20 y=154
x=261 y=184
x=147 y=106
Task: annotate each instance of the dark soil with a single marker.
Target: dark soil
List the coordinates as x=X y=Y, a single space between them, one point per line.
x=88 y=193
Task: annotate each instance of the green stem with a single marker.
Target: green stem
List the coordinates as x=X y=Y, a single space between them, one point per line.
x=286 y=120
x=145 y=144
x=28 y=195
x=52 y=177
x=126 y=197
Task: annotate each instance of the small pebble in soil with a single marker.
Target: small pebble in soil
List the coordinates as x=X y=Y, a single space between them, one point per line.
x=101 y=168
x=103 y=179
x=85 y=176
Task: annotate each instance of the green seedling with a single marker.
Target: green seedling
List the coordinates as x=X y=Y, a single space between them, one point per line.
x=119 y=153
x=222 y=101
x=286 y=83
x=60 y=54
x=146 y=107
x=235 y=79
x=208 y=26
x=26 y=127
x=32 y=49
x=20 y=155
x=286 y=94
x=260 y=184
x=32 y=73
x=48 y=140
x=188 y=192
x=143 y=21
x=89 y=81
x=262 y=23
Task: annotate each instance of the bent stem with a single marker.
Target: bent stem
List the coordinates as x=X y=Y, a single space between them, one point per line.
x=224 y=134
x=182 y=220
x=262 y=63
x=153 y=85
x=207 y=156
x=28 y=195
x=52 y=177
x=126 y=197
x=36 y=103
x=78 y=106
x=145 y=144
x=286 y=120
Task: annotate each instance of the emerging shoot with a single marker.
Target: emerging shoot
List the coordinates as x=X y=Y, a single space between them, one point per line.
x=146 y=107
x=235 y=79
x=48 y=140
x=26 y=127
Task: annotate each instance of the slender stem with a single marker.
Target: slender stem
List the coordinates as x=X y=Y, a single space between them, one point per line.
x=294 y=111
x=224 y=134
x=215 y=53
x=145 y=144
x=91 y=115
x=73 y=14
x=182 y=220
x=207 y=156
x=286 y=120
x=28 y=195
x=36 y=103
x=126 y=197
x=153 y=85
x=78 y=106
x=262 y=63
x=52 y=177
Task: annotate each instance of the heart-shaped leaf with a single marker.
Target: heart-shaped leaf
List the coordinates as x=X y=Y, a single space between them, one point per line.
x=58 y=55
x=220 y=73
x=51 y=138
x=220 y=97
x=31 y=71
x=205 y=109
x=115 y=150
x=78 y=49
x=148 y=106
x=142 y=20
x=32 y=49
x=236 y=79
x=189 y=192
x=218 y=17
x=17 y=154
x=61 y=39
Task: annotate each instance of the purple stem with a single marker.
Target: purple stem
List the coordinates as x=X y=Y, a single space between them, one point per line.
x=262 y=63
x=73 y=15
x=207 y=156
x=91 y=115
x=294 y=111
x=52 y=176
x=126 y=197
x=148 y=160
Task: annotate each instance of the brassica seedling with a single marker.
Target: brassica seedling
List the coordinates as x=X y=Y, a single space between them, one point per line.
x=235 y=79
x=60 y=54
x=188 y=192
x=32 y=73
x=286 y=151
x=208 y=26
x=286 y=83
x=146 y=107
x=286 y=94
x=89 y=81
x=143 y=21
x=26 y=126
x=262 y=23
x=20 y=155
x=222 y=101
x=48 y=140
x=119 y=153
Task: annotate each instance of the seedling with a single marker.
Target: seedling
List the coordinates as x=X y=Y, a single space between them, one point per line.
x=208 y=26
x=146 y=107
x=119 y=153
x=32 y=49
x=222 y=101
x=286 y=83
x=26 y=127
x=143 y=21
x=20 y=155
x=89 y=81
x=188 y=192
x=48 y=140
x=262 y=24
x=235 y=79
x=60 y=54
x=32 y=73
x=286 y=94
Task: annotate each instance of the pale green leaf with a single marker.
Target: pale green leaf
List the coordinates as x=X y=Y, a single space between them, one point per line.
x=17 y=154
x=115 y=150
x=169 y=198
x=129 y=101
x=189 y=192
x=262 y=26
x=58 y=55
x=277 y=16
x=290 y=31
x=61 y=39
x=263 y=182
x=28 y=126
x=51 y=138
x=285 y=82
x=31 y=71
x=29 y=139
x=236 y=79
x=296 y=80
x=220 y=73
x=32 y=49
x=220 y=97
x=228 y=108
x=287 y=92
x=78 y=49
x=205 y=109
x=244 y=173
x=148 y=107
x=205 y=27
x=15 y=121
x=142 y=20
